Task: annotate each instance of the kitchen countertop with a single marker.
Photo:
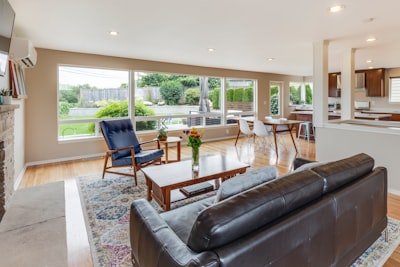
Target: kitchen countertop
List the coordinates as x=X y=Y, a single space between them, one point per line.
x=358 y=115
x=380 y=111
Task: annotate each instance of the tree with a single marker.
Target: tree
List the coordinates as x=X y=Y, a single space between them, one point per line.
x=68 y=96
x=189 y=81
x=152 y=79
x=204 y=105
x=171 y=92
x=214 y=83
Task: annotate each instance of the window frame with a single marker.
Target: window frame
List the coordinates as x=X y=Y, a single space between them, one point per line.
x=225 y=118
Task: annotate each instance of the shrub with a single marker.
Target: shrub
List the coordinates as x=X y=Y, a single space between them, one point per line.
x=309 y=95
x=113 y=109
x=63 y=108
x=215 y=98
x=192 y=96
x=238 y=95
x=171 y=92
x=274 y=104
x=120 y=109
x=229 y=95
x=248 y=95
x=142 y=110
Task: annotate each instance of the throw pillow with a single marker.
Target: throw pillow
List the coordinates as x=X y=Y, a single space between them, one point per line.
x=245 y=181
x=309 y=166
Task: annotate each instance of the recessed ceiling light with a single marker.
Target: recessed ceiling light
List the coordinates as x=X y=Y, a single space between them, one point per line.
x=371 y=39
x=337 y=8
x=113 y=33
x=270 y=59
x=211 y=49
x=368 y=61
x=370 y=67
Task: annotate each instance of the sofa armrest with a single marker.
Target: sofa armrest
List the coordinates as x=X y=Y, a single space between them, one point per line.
x=154 y=244
x=297 y=162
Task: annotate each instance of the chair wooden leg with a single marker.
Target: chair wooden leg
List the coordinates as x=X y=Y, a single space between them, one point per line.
x=135 y=173
x=105 y=165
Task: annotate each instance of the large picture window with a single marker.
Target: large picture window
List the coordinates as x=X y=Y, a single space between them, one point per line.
x=161 y=100
x=180 y=101
x=86 y=96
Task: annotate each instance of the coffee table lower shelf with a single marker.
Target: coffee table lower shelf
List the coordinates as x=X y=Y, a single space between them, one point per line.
x=177 y=195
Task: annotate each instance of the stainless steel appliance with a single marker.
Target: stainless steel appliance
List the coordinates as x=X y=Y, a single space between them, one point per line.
x=361 y=105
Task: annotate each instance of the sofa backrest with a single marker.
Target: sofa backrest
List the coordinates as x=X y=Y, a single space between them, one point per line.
x=237 y=216
x=340 y=172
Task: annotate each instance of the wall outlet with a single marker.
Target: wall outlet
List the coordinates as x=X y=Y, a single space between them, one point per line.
x=227 y=131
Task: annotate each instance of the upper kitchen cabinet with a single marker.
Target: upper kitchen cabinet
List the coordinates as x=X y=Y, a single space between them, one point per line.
x=334 y=84
x=375 y=82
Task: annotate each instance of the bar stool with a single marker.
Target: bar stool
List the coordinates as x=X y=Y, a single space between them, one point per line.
x=307 y=127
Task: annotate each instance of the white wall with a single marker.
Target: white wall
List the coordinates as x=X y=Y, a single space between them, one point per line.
x=42 y=144
x=338 y=141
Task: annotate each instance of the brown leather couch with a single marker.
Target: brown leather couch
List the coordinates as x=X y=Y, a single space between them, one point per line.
x=324 y=216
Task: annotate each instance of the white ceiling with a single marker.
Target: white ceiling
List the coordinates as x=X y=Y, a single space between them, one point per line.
x=244 y=33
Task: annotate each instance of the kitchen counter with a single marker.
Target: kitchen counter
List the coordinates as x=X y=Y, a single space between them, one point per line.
x=337 y=114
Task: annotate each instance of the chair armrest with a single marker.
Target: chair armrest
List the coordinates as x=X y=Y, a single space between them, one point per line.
x=151 y=141
x=155 y=244
x=297 y=162
x=123 y=148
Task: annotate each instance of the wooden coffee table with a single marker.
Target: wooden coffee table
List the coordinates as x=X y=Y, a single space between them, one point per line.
x=164 y=181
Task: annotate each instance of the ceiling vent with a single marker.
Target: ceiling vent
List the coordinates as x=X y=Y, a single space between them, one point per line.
x=23 y=52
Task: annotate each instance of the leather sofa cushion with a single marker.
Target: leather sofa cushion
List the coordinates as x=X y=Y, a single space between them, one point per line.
x=245 y=181
x=237 y=216
x=341 y=172
x=181 y=220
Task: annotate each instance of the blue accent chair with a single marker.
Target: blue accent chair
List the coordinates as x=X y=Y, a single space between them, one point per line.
x=124 y=148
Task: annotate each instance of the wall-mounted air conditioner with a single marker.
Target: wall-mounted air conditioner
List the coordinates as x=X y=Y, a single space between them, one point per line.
x=23 y=52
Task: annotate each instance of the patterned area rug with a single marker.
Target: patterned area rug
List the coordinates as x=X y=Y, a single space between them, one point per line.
x=106 y=206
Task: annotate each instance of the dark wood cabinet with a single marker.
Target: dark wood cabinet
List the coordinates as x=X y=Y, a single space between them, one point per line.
x=375 y=82
x=333 y=87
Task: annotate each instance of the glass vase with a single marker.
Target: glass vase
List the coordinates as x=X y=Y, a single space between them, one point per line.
x=195 y=158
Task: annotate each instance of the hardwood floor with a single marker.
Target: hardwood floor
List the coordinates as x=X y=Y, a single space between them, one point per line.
x=256 y=155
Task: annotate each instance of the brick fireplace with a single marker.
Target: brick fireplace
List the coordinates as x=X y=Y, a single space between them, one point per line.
x=6 y=155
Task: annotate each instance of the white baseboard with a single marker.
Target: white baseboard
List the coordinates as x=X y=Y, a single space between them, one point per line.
x=19 y=178
x=394 y=192
x=42 y=162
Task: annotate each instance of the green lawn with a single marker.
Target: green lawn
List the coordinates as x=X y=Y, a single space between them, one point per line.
x=76 y=129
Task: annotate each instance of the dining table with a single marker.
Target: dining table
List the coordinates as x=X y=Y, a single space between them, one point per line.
x=279 y=126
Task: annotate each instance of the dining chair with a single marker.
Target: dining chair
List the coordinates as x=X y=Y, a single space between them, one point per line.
x=264 y=132
x=245 y=129
x=124 y=148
